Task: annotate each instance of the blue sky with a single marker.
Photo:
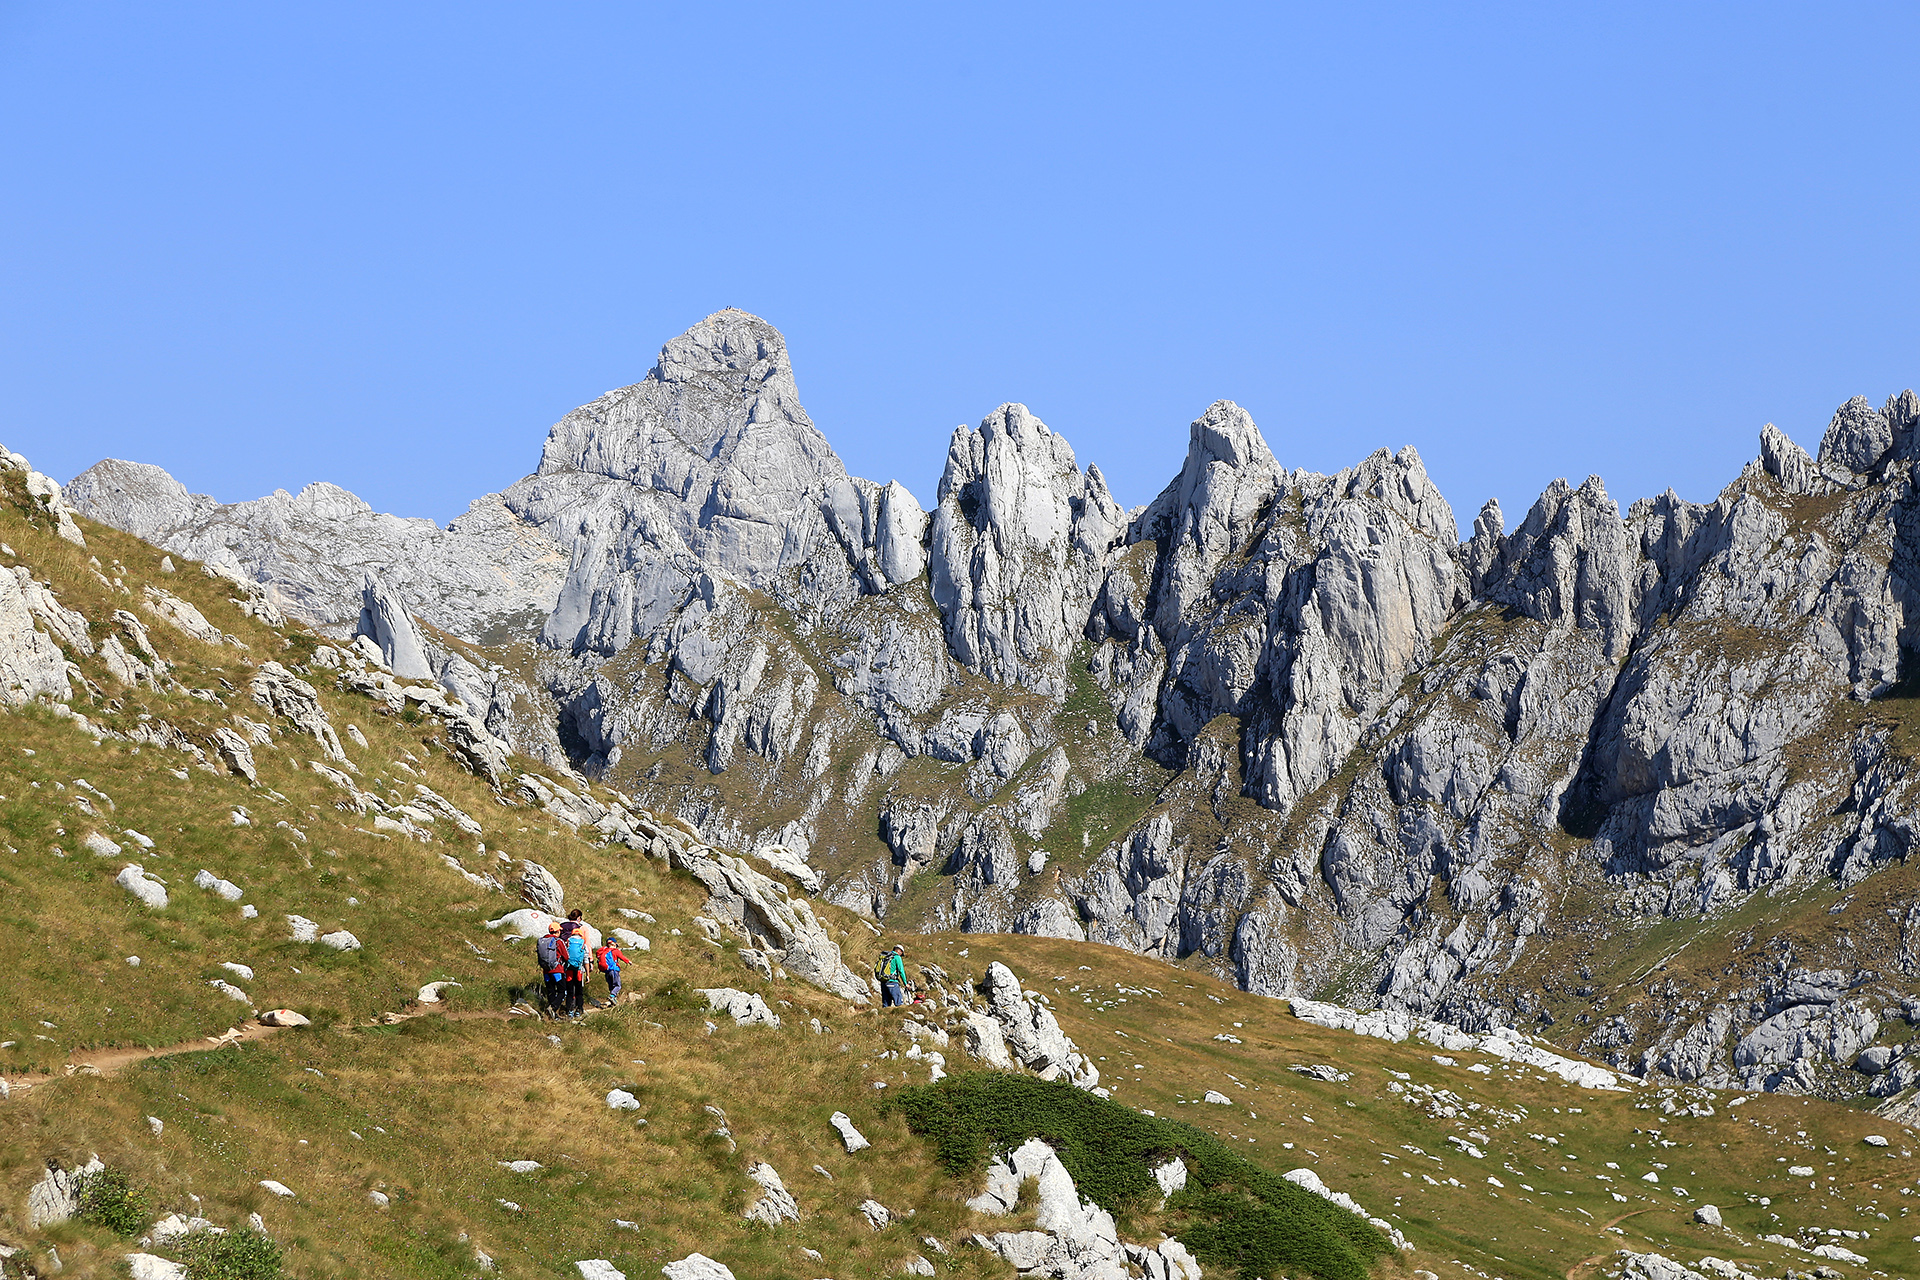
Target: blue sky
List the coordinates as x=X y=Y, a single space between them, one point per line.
x=389 y=245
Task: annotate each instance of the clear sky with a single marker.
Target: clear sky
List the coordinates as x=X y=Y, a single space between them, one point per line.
x=388 y=245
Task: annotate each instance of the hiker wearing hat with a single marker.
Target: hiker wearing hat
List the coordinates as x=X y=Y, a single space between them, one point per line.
x=608 y=958
x=893 y=977
x=552 y=968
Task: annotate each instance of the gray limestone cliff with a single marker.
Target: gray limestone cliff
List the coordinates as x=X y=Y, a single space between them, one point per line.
x=1286 y=726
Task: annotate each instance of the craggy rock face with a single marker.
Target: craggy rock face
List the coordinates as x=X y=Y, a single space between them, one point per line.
x=1287 y=724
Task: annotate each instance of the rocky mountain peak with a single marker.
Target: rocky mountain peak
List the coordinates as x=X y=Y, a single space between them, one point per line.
x=1018 y=543
x=135 y=496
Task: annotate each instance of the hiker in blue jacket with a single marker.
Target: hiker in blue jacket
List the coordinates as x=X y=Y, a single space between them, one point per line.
x=574 y=980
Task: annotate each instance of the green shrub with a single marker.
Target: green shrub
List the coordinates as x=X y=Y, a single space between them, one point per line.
x=108 y=1199
x=245 y=1254
x=1232 y=1214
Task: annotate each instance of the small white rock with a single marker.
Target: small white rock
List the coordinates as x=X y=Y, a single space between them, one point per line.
x=249 y=911
x=340 y=941
x=697 y=1266
x=133 y=962
x=156 y=1124
x=519 y=1166
x=1218 y=1099
x=852 y=1137
x=1875 y=1140
x=147 y=1266
x=278 y=1188
x=378 y=1199
x=621 y=1100
x=599 y=1269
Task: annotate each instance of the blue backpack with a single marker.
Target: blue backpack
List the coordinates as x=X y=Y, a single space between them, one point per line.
x=577 y=950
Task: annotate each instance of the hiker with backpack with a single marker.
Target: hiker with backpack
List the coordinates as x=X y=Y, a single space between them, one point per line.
x=608 y=957
x=574 y=975
x=552 y=969
x=892 y=972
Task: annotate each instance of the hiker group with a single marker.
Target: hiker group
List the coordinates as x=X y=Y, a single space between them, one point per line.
x=565 y=955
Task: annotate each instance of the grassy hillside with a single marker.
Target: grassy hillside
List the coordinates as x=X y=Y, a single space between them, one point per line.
x=424 y=1105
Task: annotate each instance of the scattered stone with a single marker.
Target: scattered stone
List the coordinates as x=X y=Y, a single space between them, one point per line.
x=236 y=753
x=539 y=889
x=157 y=1125
x=1707 y=1216
x=147 y=888
x=433 y=992
x=621 y=1100
x=304 y=930
x=599 y=1269
x=876 y=1214
x=1320 y=1071
x=56 y=1197
x=1217 y=1098
x=519 y=1166
x=340 y=941
x=147 y=1266
x=695 y=1266
x=1797 y=1171
x=204 y=879
x=1171 y=1176
x=244 y=973
x=175 y=1227
x=277 y=1188
x=378 y=1199
x=1838 y=1253
x=230 y=991
x=99 y=846
x=1875 y=1140
x=133 y=962
x=284 y=1018
x=852 y=1137
x=917 y=1266
x=776 y=1204
x=745 y=1008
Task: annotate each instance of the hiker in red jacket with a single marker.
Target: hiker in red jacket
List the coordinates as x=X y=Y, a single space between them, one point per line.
x=608 y=958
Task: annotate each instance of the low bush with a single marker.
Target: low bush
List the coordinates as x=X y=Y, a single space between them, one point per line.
x=245 y=1254
x=1233 y=1214
x=108 y=1199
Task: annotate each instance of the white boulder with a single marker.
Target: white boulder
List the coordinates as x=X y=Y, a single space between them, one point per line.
x=776 y=1204
x=852 y=1137
x=142 y=886
x=695 y=1266
x=745 y=1008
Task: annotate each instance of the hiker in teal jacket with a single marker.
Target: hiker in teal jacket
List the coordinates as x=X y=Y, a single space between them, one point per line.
x=893 y=977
